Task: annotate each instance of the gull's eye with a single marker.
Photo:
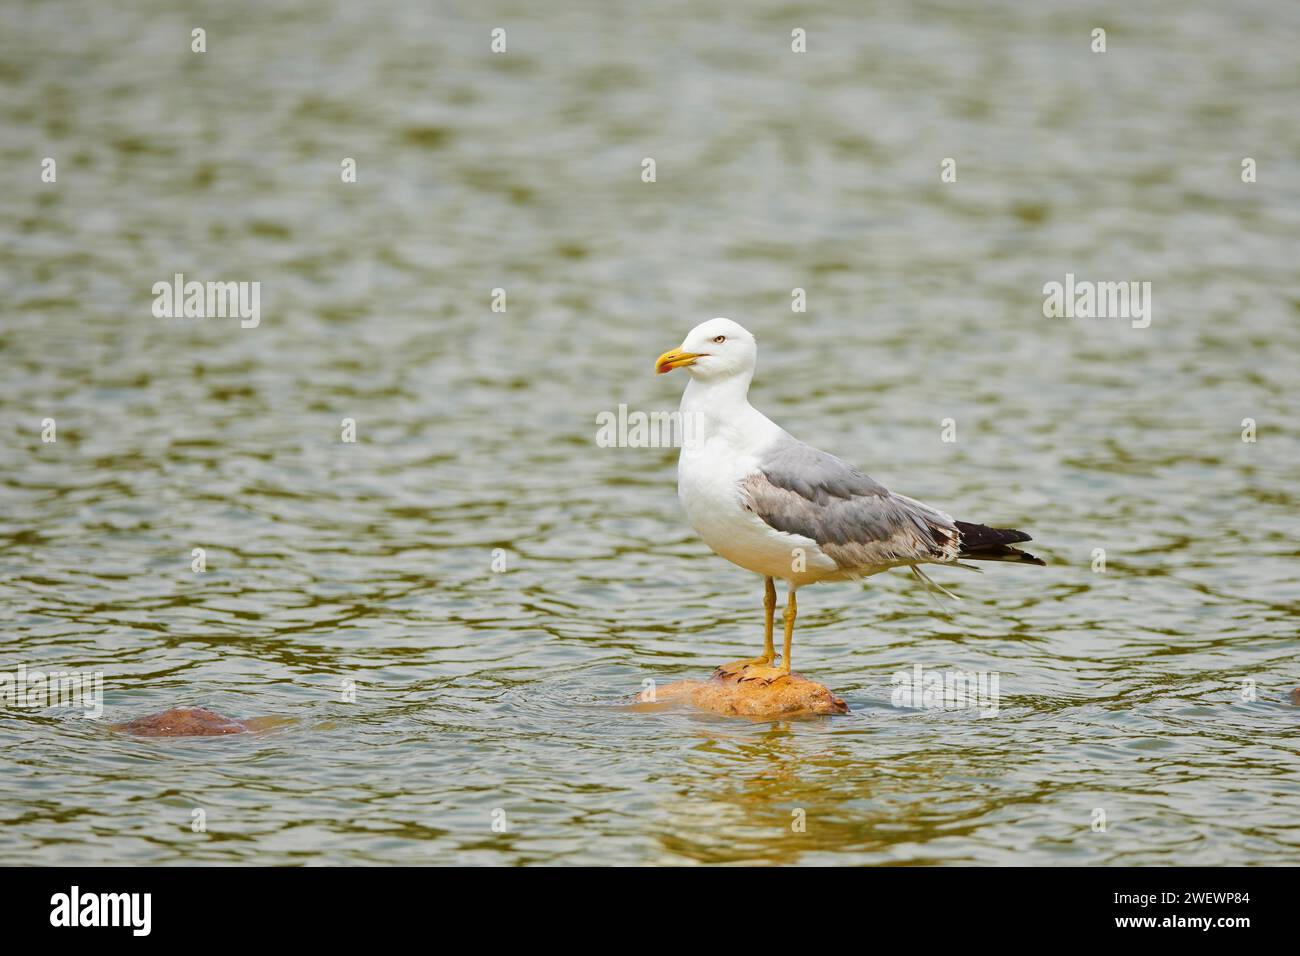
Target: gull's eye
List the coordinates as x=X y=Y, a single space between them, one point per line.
x=719 y=339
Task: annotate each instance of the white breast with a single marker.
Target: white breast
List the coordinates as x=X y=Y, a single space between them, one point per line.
x=709 y=477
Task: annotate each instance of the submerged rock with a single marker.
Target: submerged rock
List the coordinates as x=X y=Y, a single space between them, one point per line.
x=190 y=722
x=791 y=696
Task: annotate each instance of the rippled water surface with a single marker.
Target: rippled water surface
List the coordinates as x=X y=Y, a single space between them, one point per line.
x=1123 y=691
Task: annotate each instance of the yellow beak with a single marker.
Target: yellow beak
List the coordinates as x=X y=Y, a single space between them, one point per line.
x=674 y=358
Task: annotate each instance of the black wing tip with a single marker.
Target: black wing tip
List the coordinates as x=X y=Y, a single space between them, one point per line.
x=977 y=536
x=1003 y=553
x=979 y=542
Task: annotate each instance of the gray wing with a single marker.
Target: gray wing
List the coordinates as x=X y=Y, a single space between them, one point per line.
x=858 y=522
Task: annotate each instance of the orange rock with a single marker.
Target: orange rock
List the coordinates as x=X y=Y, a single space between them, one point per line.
x=725 y=694
x=189 y=722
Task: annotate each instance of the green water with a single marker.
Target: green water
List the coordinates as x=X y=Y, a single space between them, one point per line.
x=371 y=562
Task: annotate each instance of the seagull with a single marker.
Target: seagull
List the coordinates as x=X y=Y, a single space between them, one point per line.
x=767 y=502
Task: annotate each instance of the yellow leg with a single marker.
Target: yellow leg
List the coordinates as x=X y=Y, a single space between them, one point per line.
x=762 y=670
x=769 y=612
x=769 y=649
x=791 y=609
